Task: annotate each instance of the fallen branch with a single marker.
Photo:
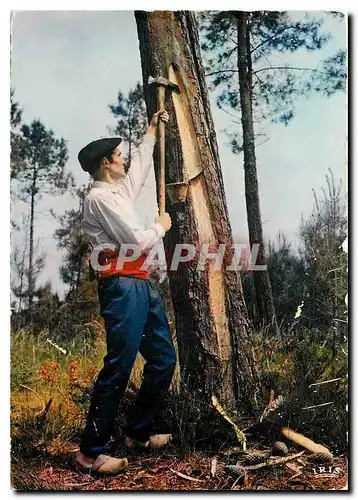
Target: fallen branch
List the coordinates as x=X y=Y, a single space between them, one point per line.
x=214 y=464
x=316 y=406
x=225 y=483
x=273 y=405
x=306 y=442
x=325 y=382
x=232 y=451
x=61 y=349
x=293 y=467
x=184 y=476
x=294 y=476
x=71 y=485
x=237 y=480
x=239 y=434
x=270 y=463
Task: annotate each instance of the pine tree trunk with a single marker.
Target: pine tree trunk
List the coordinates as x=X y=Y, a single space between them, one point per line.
x=215 y=351
x=22 y=269
x=80 y=253
x=264 y=299
x=22 y=273
x=31 y=244
x=129 y=158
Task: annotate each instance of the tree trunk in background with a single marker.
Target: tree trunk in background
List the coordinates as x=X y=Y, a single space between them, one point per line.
x=264 y=299
x=31 y=245
x=215 y=351
x=22 y=267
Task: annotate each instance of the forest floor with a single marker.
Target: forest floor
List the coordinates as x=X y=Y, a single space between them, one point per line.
x=53 y=469
x=49 y=401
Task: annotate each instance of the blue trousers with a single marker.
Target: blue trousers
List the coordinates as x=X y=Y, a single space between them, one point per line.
x=135 y=320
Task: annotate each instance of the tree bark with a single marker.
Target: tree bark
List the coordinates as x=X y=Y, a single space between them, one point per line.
x=31 y=244
x=263 y=291
x=22 y=267
x=215 y=351
x=129 y=157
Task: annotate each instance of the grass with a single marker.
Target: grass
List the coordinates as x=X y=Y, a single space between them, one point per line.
x=40 y=373
x=50 y=393
x=296 y=368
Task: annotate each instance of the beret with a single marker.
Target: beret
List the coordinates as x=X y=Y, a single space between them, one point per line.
x=96 y=149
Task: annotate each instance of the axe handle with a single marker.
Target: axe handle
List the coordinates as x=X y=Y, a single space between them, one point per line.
x=161 y=105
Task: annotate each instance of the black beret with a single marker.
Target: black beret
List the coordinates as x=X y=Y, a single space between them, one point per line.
x=95 y=150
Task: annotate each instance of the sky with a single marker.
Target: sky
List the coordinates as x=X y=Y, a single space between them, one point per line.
x=68 y=66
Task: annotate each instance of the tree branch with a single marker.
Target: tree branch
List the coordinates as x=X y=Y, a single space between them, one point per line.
x=233 y=40
x=230 y=114
x=273 y=462
x=222 y=71
x=265 y=86
x=231 y=51
x=270 y=38
x=290 y=68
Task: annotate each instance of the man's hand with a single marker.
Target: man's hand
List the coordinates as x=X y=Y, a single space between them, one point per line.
x=165 y=221
x=160 y=115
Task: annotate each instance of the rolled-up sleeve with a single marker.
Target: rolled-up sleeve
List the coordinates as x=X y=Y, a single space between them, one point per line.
x=105 y=213
x=139 y=168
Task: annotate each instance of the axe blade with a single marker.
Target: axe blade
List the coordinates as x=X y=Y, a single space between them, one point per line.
x=164 y=82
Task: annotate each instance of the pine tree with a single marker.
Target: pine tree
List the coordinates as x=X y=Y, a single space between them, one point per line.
x=212 y=330
x=326 y=278
x=72 y=239
x=81 y=304
x=43 y=172
x=131 y=118
x=20 y=280
x=20 y=274
x=287 y=273
x=259 y=90
x=16 y=139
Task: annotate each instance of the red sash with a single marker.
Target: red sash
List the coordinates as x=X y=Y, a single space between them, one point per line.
x=129 y=268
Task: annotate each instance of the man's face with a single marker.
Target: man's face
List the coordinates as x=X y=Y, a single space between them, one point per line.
x=116 y=165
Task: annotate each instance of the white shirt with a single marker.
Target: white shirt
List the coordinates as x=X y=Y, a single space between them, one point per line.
x=109 y=213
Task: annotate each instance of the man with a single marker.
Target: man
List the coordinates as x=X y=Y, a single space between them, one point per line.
x=130 y=305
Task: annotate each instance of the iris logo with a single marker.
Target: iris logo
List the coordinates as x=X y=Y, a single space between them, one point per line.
x=326 y=470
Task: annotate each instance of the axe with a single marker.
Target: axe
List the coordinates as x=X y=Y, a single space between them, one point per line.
x=162 y=84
